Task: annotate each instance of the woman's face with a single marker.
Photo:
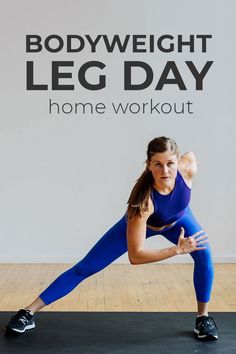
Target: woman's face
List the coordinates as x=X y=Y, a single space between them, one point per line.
x=164 y=166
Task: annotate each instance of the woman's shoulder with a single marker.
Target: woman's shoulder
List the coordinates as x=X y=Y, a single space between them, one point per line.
x=185 y=178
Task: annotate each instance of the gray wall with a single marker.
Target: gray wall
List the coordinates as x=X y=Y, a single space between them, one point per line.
x=66 y=179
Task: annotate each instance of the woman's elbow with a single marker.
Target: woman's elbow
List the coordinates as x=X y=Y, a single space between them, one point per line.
x=133 y=260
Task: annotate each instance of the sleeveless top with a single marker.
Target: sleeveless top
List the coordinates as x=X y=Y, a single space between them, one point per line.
x=170 y=207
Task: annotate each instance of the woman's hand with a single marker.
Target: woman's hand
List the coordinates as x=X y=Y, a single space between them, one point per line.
x=191 y=243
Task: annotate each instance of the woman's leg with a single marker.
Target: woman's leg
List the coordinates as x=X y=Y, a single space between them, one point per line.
x=108 y=248
x=203 y=265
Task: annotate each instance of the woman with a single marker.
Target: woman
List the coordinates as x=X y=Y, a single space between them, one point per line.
x=158 y=204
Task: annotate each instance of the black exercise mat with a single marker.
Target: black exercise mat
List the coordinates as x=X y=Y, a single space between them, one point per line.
x=118 y=333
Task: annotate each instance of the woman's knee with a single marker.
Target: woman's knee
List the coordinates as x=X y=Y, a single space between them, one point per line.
x=84 y=270
x=203 y=259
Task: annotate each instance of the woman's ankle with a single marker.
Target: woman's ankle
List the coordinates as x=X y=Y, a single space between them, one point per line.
x=30 y=311
x=202 y=314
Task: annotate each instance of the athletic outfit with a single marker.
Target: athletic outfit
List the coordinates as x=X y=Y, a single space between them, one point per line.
x=173 y=207
x=168 y=209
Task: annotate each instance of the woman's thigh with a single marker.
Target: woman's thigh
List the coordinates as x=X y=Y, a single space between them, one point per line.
x=188 y=222
x=109 y=247
x=191 y=226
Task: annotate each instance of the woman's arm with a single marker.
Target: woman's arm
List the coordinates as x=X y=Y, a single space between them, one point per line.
x=188 y=165
x=136 y=235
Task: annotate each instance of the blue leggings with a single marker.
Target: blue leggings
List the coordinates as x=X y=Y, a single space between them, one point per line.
x=113 y=244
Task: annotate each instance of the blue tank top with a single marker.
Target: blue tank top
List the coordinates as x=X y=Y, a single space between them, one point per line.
x=170 y=207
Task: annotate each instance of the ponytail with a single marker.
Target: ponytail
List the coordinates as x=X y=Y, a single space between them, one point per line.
x=138 y=199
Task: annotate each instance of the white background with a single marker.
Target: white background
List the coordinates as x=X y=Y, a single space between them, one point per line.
x=66 y=179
